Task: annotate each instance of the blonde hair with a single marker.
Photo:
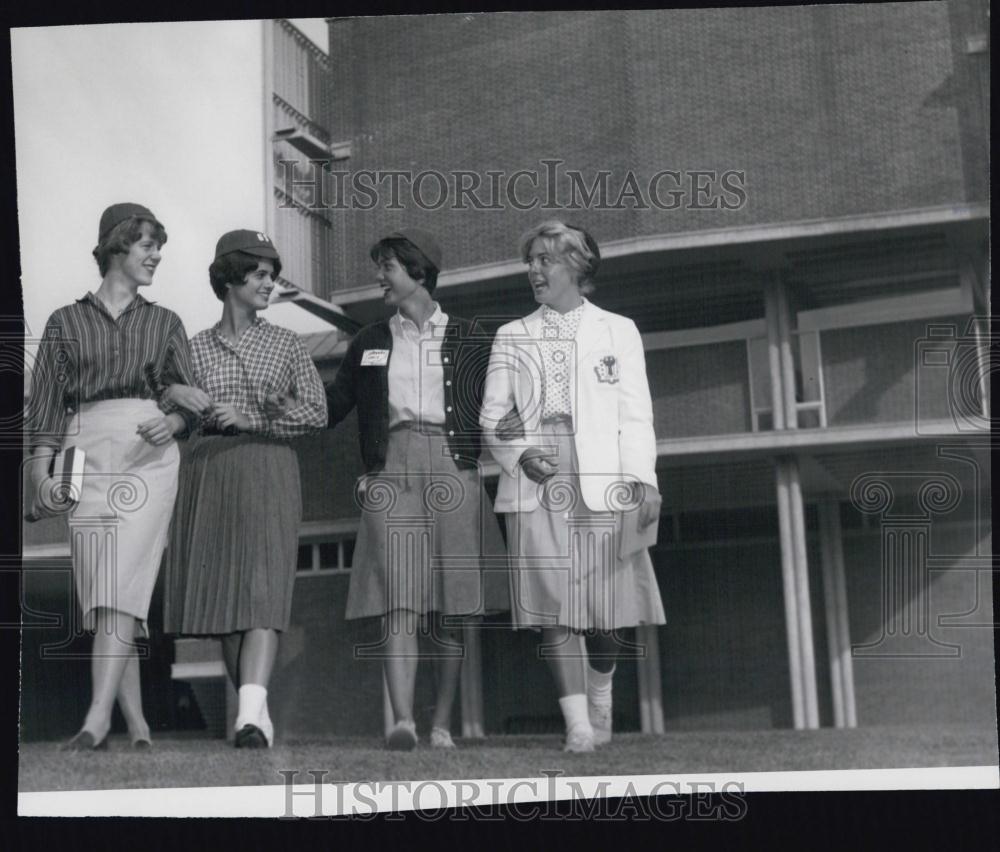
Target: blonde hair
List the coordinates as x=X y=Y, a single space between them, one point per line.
x=574 y=245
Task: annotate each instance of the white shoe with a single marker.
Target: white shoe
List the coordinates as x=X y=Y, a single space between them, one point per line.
x=600 y=721
x=441 y=738
x=579 y=739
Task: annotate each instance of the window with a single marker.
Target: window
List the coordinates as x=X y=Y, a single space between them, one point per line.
x=762 y=415
x=809 y=400
x=332 y=555
x=710 y=381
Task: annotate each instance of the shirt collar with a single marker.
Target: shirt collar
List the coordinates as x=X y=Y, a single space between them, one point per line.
x=258 y=322
x=137 y=302
x=550 y=315
x=436 y=319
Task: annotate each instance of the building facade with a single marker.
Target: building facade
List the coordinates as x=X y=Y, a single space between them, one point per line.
x=792 y=205
x=825 y=542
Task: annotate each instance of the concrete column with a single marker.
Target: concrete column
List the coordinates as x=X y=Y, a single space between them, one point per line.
x=837 y=629
x=650 y=685
x=471 y=683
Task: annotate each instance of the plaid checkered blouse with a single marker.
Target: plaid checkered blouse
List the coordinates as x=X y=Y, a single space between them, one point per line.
x=266 y=360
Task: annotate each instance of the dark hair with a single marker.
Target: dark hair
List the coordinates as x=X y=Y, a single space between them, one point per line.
x=233 y=268
x=412 y=259
x=121 y=238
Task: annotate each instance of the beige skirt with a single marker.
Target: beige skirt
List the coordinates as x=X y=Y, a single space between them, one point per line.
x=564 y=560
x=428 y=541
x=118 y=530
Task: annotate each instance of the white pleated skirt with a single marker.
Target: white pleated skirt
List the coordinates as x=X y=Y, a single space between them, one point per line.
x=564 y=559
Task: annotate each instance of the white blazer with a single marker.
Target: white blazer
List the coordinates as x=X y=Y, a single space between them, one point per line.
x=612 y=408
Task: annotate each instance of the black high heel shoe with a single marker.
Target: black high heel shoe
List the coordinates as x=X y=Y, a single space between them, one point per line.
x=84 y=741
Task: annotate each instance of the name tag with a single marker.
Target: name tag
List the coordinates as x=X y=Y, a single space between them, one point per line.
x=375 y=358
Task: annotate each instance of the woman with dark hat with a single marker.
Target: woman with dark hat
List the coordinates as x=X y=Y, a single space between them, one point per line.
x=568 y=416
x=95 y=386
x=427 y=528
x=232 y=556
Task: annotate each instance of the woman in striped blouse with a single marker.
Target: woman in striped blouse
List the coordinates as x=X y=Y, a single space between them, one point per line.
x=95 y=380
x=233 y=548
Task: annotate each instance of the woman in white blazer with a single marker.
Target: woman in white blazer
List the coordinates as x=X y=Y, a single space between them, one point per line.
x=567 y=414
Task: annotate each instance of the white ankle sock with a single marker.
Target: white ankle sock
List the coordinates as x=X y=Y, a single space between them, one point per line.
x=253 y=701
x=599 y=685
x=574 y=710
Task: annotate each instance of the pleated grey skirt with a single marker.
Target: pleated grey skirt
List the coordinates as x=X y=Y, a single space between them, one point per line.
x=565 y=566
x=428 y=541
x=231 y=561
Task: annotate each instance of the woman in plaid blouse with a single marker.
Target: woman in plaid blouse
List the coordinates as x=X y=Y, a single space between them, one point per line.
x=232 y=555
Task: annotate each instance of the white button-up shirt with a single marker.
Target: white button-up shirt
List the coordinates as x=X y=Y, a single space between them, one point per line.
x=416 y=375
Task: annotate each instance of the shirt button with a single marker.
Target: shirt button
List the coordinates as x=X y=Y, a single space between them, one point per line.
x=448 y=408
x=452 y=432
x=445 y=359
x=559 y=377
x=448 y=383
x=456 y=455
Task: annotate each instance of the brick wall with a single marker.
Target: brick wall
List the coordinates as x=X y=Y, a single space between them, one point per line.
x=829 y=110
x=873 y=374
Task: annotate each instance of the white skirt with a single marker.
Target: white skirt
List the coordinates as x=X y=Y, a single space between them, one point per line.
x=564 y=560
x=118 y=530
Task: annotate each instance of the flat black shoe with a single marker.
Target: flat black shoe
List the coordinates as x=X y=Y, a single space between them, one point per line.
x=403 y=737
x=141 y=744
x=250 y=736
x=84 y=741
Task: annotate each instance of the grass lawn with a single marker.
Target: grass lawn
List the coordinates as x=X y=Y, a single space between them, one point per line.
x=192 y=762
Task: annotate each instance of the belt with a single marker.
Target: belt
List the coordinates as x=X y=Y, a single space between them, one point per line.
x=557 y=418
x=228 y=432
x=422 y=428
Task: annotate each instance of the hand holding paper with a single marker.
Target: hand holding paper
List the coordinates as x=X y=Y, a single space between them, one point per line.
x=640 y=522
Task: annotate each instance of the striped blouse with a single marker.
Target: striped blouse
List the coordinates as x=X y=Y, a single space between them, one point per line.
x=86 y=355
x=267 y=359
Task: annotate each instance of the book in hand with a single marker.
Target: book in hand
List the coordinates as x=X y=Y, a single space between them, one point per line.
x=631 y=539
x=61 y=492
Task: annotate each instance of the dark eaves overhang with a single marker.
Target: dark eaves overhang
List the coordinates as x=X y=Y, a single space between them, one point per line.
x=757 y=247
